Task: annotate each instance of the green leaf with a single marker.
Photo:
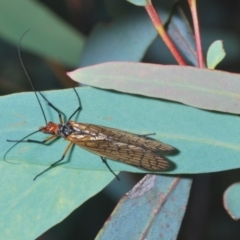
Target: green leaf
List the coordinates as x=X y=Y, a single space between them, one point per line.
x=215 y=54
x=155 y=204
x=202 y=88
x=207 y=142
x=231 y=201
x=181 y=34
x=29 y=208
x=138 y=2
x=49 y=36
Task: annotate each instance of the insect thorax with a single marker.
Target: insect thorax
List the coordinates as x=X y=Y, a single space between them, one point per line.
x=65 y=130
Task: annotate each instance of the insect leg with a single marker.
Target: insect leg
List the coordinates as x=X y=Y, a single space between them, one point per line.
x=17 y=142
x=55 y=163
x=105 y=162
x=53 y=107
x=79 y=107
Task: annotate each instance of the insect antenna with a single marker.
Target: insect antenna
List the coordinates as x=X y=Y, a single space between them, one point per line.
x=33 y=88
x=17 y=142
x=60 y=113
x=28 y=77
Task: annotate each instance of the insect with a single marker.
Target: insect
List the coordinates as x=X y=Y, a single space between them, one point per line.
x=133 y=149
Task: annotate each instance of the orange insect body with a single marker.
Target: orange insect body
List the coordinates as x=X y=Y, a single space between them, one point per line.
x=51 y=128
x=115 y=144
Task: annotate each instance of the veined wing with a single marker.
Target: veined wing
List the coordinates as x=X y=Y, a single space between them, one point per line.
x=121 y=146
x=112 y=134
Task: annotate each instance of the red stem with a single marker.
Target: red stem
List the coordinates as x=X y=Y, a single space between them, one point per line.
x=160 y=29
x=193 y=8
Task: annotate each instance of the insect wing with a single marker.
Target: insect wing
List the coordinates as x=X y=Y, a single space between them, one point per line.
x=124 y=137
x=121 y=146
